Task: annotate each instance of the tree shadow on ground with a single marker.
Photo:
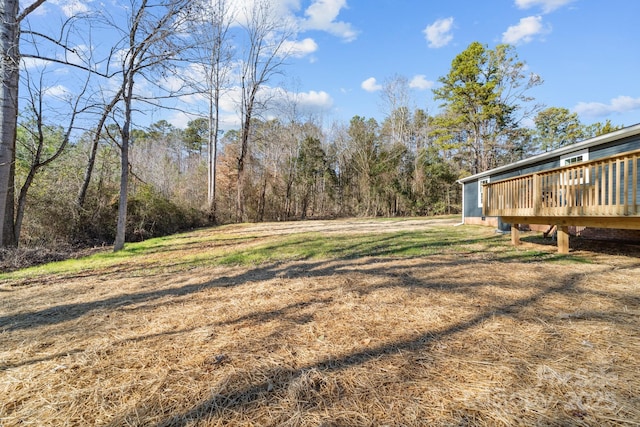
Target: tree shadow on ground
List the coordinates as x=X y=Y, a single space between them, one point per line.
x=279 y=378
x=64 y=312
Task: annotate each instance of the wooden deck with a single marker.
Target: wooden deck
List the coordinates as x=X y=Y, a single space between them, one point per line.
x=599 y=193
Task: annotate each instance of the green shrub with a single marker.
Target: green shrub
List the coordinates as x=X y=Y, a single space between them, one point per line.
x=149 y=214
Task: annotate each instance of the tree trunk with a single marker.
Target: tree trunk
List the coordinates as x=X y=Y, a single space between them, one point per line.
x=122 y=201
x=240 y=191
x=244 y=147
x=22 y=201
x=263 y=199
x=82 y=194
x=214 y=113
x=124 y=165
x=9 y=39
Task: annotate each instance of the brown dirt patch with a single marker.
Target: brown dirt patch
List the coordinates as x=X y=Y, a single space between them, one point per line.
x=448 y=339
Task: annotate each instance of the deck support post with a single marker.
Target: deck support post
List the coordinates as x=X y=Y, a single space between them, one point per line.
x=563 y=239
x=515 y=235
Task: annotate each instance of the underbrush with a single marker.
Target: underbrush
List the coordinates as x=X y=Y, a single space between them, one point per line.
x=64 y=233
x=12 y=259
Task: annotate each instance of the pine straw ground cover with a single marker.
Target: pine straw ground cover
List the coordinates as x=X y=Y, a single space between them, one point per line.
x=325 y=323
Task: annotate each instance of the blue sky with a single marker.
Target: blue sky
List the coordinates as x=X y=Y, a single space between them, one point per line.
x=586 y=51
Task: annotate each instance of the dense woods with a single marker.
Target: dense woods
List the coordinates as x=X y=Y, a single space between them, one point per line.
x=82 y=171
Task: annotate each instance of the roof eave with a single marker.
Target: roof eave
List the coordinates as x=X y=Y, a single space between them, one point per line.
x=587 y=143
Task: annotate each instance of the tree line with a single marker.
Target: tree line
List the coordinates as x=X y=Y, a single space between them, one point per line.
x=110 y=180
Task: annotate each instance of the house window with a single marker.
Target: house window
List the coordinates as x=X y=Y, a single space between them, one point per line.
x=579 y=176
x=480 y=183
x=575 y=157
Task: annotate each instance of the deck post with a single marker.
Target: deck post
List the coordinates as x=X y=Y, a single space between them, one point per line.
x=485 y=200
x=515 y=235
x=563 y=239
x=537 y=195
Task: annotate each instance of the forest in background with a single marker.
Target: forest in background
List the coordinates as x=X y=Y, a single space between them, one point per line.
x=71 y=182
x=296 y=170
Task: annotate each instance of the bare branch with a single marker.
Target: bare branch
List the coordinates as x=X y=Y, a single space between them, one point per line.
x=81 y=67
x=50 y=39
x=33 y=6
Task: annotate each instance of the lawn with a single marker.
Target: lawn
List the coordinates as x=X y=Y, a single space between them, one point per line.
x=357 y=322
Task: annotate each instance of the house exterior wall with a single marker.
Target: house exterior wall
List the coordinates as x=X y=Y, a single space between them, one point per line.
x=472 y=210
x=609 y=145
x=490 y=221
x=615 y=147
x=535 y=167
x=471 y=188
x=470 y=194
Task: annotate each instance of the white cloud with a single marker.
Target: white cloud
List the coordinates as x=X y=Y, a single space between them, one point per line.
x=239 y=7
x=546 y=5
x=230 y=99
x=311 y=102
x=322 y=14
x=72 y=7
x=58 y=91
x=174 y=84
x=525 y=30
x=280 y=10
x=33 y=63
x=621 y=104
x=315 y=100
x=371 y=85
x=439 y=34
x=78 y=55
x=120 y=55
x=181 y=119
x=420 y=82
x=298 y=49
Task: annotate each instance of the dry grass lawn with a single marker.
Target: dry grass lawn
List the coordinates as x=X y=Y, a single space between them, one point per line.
x=473 y=332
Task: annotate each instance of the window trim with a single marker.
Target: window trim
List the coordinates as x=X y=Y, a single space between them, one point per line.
x=565 y=160
x=573 y=155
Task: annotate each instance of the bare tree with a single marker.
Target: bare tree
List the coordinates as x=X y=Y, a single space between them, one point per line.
x=214 y=58
x=93 y=150
x=296 y=128
x=41 y=150
x=17 y=33
x=152 y=40
x=396 y=99
x=10 y=71
x=266 y=37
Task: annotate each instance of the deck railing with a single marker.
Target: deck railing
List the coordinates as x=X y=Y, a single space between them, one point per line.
x=605 y=187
